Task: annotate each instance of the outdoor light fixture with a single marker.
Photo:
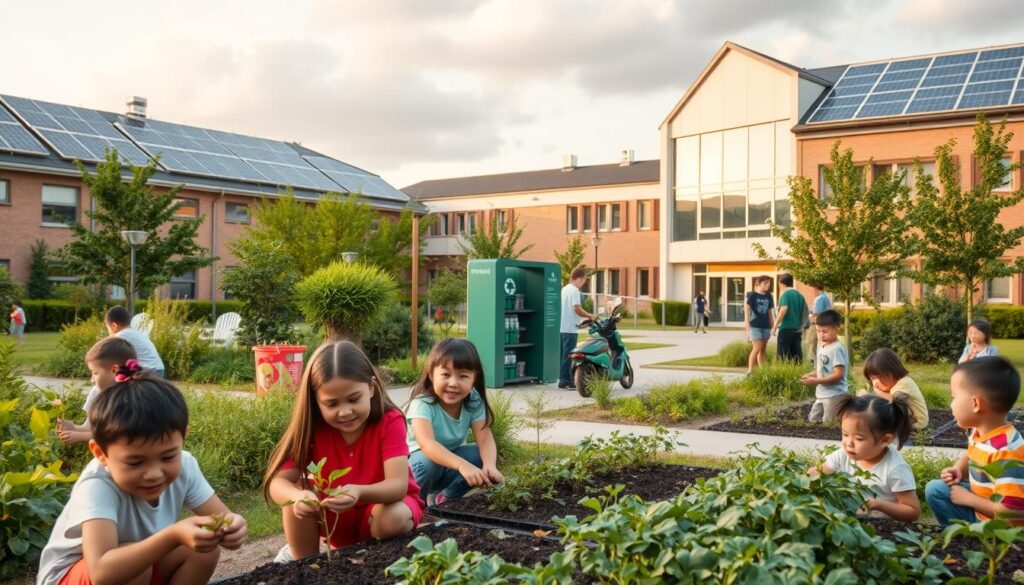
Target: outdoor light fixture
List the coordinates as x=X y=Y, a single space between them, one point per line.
x=135 y=238
x=349 y=257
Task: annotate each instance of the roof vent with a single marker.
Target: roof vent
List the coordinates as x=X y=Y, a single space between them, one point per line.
x=568 y=162
x=626 y=157
x=137 y=107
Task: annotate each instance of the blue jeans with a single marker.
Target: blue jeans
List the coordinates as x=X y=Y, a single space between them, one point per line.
x=568 y=344
x=937 y=494
x=159 y=372
x=433 y=478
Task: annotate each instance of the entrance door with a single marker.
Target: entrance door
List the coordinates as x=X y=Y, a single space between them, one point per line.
x=735 y=299
x=715 y=299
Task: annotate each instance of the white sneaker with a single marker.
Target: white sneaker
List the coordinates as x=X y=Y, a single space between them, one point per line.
x=284 y=555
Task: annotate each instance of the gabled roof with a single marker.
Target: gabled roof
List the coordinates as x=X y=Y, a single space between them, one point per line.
x=644 y=171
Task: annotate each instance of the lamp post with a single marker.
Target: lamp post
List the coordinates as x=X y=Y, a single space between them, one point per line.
x=135 y=238
x=349 y=257
x=596 y=240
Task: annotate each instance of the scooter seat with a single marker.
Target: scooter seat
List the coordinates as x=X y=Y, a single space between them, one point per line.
x=592 y=346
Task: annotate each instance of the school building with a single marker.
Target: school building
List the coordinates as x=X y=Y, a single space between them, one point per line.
x=223 y=174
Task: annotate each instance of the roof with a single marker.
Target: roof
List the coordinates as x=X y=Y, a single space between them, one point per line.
x=644 y=171
x=44 y=137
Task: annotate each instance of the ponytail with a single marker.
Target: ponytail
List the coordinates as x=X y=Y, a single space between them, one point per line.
x=883 y=417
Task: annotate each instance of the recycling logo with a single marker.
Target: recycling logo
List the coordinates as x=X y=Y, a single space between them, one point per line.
x=510 y=286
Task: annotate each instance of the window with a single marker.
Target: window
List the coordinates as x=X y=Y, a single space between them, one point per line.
x=1008 y=182
x=588 y=223
x=643 y=282
x=824 y=191
x=466 y=223
x=5 y=192
x=881 y=289
x=572 y=219
x=998 y=289
x=644 y=210
x=905 y=289
x=613 y=281
x=183 y=286
x=501 y=220
x=187 y=208
x=910 y=176
x=598 y=279
x=439 y=227
x=5 y=264
x=60 y=205
x=236 y=212
x=609 y=217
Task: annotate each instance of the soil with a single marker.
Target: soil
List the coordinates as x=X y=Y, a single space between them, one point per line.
x=365 y=562
x=954 y=554
x=954 y=436
x=792 y=422
x=656 y=482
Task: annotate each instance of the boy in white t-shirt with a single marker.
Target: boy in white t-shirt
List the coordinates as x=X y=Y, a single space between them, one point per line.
x=118 y=323
x=121 y=524
x=104 y=359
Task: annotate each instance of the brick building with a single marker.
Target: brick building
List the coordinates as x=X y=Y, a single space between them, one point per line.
x=41 y=191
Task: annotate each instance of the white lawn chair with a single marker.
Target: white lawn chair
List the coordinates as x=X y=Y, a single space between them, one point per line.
x=141 y=322
x=224 y=329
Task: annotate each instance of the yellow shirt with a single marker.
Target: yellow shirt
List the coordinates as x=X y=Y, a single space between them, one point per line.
x=908 y=387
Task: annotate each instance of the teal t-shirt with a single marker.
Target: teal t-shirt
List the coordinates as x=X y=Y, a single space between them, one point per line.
x=794 y=318
x=448 y=431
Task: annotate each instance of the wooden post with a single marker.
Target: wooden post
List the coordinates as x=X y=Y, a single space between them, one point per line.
x=415 y=286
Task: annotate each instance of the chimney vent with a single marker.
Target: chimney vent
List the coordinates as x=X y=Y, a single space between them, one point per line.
x=568 y=162
x=627 y=157
x=137 y=107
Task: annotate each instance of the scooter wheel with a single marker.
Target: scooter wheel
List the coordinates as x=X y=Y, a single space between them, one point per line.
x=585 y=372
x=627 y=376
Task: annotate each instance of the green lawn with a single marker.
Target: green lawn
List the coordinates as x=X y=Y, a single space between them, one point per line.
x=38 y=347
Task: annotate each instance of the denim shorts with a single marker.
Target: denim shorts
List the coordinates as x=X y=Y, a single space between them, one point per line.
x=760 y=333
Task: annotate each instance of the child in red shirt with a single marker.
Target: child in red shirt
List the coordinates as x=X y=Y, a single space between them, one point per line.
x=343 y=414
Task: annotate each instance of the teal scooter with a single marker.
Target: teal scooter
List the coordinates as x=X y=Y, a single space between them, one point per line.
x=603 y=354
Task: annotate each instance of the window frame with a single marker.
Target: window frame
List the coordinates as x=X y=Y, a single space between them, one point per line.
x=999 y=300
x=572 y=219
x=5 y=192
x=501 y=220
x=229 y=219
x=1012 y=183
x=177 y=280
x=609 y=217
x=644 y=215
x=77 y=206
x=643 y=281
x=178 y=201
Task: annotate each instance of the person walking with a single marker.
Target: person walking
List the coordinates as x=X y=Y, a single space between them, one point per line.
x=572 y=312
x=789 y=323
x=18 y=322
x=759 y=314
x=701 y=312
x=821 y=304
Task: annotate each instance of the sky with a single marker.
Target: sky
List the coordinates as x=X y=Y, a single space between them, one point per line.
x=428 y=89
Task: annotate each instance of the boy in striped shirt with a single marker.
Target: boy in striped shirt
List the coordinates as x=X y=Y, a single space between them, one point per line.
x=984 y=390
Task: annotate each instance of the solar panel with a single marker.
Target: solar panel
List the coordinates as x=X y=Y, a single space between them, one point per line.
x=355 y=179
x=75 y=133
x=15 y=138
x=275 y=160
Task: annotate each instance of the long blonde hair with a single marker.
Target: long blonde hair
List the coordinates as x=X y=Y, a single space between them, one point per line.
x=333 y=359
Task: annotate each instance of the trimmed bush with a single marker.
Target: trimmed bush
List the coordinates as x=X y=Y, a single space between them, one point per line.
x=345 y=299
x=676 y=312
x=401 y=371
x=52 y=314
x=389 y=337
x=860 y=320
x=1007 y=321
x=74 y=341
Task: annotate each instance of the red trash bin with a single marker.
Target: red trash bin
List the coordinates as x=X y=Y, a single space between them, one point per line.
x=278 y=366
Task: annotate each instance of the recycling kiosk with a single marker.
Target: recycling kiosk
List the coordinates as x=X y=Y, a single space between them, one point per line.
x=513 y=319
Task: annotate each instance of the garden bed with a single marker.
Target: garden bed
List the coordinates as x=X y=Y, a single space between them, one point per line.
x=365 y=562
x=652 y=483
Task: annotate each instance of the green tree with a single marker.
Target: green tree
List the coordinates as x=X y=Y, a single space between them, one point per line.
x=572 y=258
x=345 y=299
x=10 y=290
x=839 y=242
x=104 y=257
x=448 y=291
x=39 y=284
x=495 y=243
x=389 y=244
x=263 y=281
x=962 y=239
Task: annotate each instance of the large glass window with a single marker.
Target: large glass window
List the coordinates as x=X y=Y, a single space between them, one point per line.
x=572 y=219
x=587 y=217
x=60 y=205
x=734 y=155
x=759 y=206
x=710 y=211
x=762 y=143
x=711 y=158
x=183 y=286
x=5 y=192
x=782 y=207
x=236 y=212
x=998 y=289
x=684 y=226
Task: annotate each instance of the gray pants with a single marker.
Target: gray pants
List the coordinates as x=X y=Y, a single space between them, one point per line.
x=822 y=411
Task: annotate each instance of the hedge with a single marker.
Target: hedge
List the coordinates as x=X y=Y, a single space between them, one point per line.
x=676 y=312
x=1007 y=321
x=861 y=320
x=51 y=315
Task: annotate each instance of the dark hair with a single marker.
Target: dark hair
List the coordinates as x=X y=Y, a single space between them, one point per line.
x=459 y=354
x=829 y=318
x=995 y=377
x=118 y=315
x=984 y=326
x=16 y=302
x=144 y=407
x=884 y=362
x=883 y=416
x=786 y=279
x=762 y=278
x=111 y=350
x=579 y=272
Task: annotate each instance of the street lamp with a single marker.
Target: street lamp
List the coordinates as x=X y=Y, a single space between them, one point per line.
x=135 y=238
x=349 y=257
x=596 y=240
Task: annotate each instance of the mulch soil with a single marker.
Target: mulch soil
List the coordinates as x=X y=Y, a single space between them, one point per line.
x=656 y=482
x=954 y=557
x=791 y=421
x=365 y=562
x=954 y=436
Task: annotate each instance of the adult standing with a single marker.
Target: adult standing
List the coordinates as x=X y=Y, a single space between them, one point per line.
x=18 y=322
x=821 y=304
x=701 y=312
x=572 y=311
x=790 y=321
x=759 y=314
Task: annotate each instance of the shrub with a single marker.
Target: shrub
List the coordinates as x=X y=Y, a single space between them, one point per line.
x=930 y=331
x=447 y=292
x=677 y=401
x=735 y=353
x=860 y=320
x=389 y=337
x=601 y=388
x=72 y=344
x=178 y=341
x=926 y=466
x=1007 y=321
x=676 y=312
x=10 y=290
x=878 y=335
x=345 y=299
x=263 y=280
x=51 y=315
x=401 y=370
x=935 y=395
x=224 y=365
x=777 y=380
x=506 y=425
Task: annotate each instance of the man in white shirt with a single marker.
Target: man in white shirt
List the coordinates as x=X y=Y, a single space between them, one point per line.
x=118 y=323
x=572 y=313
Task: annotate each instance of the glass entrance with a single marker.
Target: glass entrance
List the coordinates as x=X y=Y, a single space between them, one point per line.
x=735 y=298
x=715 y=299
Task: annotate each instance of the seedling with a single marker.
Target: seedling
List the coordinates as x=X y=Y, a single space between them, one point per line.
x=321 y=486
x=216 y=523
x=535 y=416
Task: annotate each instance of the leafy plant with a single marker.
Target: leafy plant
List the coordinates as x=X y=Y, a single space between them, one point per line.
x=532 y=481
x=433 y=564
x=677 y=401
x=574 y=257
x=447 y=292
x=263 y=281
x=506 y=425
x=179 y=341
x=10 y=290
x=401 y=370
x=79 y=296
x=494 y=242
x=39 y=284
x=72 y=344
x=778 y=379
x=345 y=299
x=600 y=388
x=216 y=523
x=224 y=365
x=535 y=416
x=322 y=488
x=389 y=336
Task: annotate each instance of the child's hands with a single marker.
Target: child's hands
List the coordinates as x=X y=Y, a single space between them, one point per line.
x=345 y=500
x=301 y=508
x=493 y=474
x=809 y=379
x=235 y=533
x=950 y=475
x=960 y=496
x=191 y=534
x=473 y=474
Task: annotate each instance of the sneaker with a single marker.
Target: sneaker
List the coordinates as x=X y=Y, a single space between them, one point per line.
x=284 y=555
x=566 y=386
x=440 y=499
x=748 y=374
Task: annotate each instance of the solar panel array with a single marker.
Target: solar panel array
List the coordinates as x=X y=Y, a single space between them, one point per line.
x=15 y=138
x=355 y=179
x=75 y=133
x=959 y=81
x=275 y=160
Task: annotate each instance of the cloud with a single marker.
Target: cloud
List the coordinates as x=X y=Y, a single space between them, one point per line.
x=966 y=18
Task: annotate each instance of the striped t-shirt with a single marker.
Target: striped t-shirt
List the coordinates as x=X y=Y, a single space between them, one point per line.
x=1000 y=444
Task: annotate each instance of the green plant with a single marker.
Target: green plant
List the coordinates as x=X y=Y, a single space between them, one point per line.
x=536 y=417
x=263 y=281
x=179 y=342
x=677 y=401
x=536 y=480
x=79 y=296
x=600 y=388
x=345 y=299
x=39 y=284
x=10 y=290
x=216 y=523
x=676 y=312
x=401 y=371
x=935 y=395
x=224 y=365
x=506 y=424
x=433 y=564
x=447 y=292
x=925 y=464
x=930 y=331
x=322 y=488
x=778 y=379
x=1007 y=321
x=72 y=344
x=574 y=257
x=389 y=336
x=495 y=242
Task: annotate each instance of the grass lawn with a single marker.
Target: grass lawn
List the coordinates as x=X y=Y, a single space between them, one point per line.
x=38 y=347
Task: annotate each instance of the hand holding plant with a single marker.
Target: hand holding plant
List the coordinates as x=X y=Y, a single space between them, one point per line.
x=344 y=499
x=315 y=501
x=493 y=474
x=192 y=533
x=473 y=474
x=951 y=475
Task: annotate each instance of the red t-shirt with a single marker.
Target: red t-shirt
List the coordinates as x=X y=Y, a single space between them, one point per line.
x=378 y=443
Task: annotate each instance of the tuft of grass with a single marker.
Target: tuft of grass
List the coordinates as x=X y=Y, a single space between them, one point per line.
x=777 y=380
x=601 y=388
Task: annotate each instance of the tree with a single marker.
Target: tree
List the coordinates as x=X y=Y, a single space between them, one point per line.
x=839 y=242
x=104 y=257
x=494 y=243
x=39 y=284
x=448 y=291
x=572 y=258
x=962 y=239
x=345 y=299
x=389 y=245
x=10 y=290
x=263 y=281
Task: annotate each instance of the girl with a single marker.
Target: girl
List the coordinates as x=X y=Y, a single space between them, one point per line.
x=759 y=313
x=110 y=360
x=889 y=379
x=979 y=336
x=343 y=414
x=870 y=424
x=449 y=400
x=701 y=312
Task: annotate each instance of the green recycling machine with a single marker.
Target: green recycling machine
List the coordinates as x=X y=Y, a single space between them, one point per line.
x=513 y=319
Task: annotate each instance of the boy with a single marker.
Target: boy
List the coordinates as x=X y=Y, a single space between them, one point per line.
x=18 y=322
x=121 y=523
x=118 y=323
x=831 y=364
x=103 y=359
x=983 y=390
